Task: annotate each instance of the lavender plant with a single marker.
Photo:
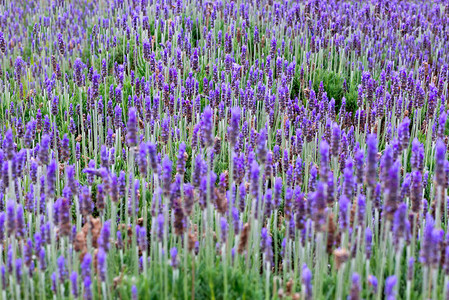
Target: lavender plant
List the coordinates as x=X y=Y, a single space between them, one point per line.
x=197 y=149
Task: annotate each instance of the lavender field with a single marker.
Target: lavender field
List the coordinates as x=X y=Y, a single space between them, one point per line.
x=193 y=149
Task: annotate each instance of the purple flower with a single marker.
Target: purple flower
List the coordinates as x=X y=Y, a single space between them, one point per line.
x=8 y=145
x=118 y=117
x=188 y=198
x=404 y=133
x=255 y=180
x=359 y=158
x=152 y=151
x=371 y=160
x=174 y=257
x=277 y=192
x=344 y=208
x=417 y=157
x=181 y=163
x=390 y=282
x=194 y=60
x=88 y=288
x=65 y=147
x=355 y=287
x=440 y=158
x=242 y=194
x=119 y=240
x=392 y=191
x=429 y=244
x=372 y=280
x=19 y=270
x=78 y=69
x=306 y=278
x=42 y=261
x=74 y=281
x=368 y=242
x=142 y=159
x=141 y=234
x=86 y=265
x=132 y=127
x=165 y=130
x=268 y=203
x=43 y=149
x=11 y=217
x=160 y=227
x=134 y=295
x=2 y=226
x=85 y=202
x=51 y=179
x=20 y=222
x=234 y=126
x=261 y=146
x=61 y=269
x=102 y=263
x=318 y=202
x=224 y=229
x=335 y=140
x=324 y=163
x=401 y=225
x=207 y=127
x=166 y=175
x=54 y=105
x=77 y=151
x=103 y=240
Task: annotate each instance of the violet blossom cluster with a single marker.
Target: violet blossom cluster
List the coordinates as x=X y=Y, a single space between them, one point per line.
x=220 y=149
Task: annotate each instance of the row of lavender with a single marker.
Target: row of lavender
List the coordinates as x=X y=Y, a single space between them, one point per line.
x=200 y=149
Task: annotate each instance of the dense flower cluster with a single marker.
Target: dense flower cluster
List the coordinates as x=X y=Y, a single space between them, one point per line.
x=219 y=149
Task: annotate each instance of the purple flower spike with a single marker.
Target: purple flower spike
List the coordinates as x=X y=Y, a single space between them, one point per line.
x=234 y=126
x=134 y=295
x=132 y=127
x=371 y=160
x=440 y=158
x=224 y=229
x=88 y=288
x=61 y=269
x=181 y=163
x=277 y=191
x=324 y=164
x=368 y=242
x=307 y=282
x=261 y=146
x=390 y=293
x=355 y=287
x=404 y=133
x=335 y=141
x=207 y=127
x=11 y=217
x=372 y=280
x=166 y=175
x=51 y=179
x=174 y=257
x=101 y=263
x=74 y=281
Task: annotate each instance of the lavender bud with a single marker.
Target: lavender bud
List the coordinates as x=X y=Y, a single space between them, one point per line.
x=390 y=293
